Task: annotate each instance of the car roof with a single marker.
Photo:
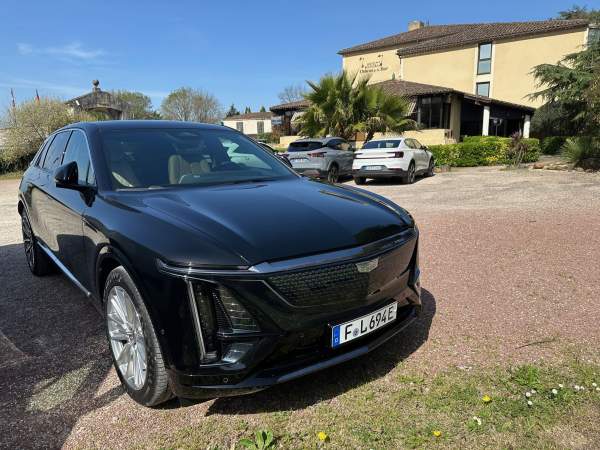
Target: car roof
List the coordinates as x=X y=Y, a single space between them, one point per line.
x=140 y=124
x=321 y=140
x=389 y=138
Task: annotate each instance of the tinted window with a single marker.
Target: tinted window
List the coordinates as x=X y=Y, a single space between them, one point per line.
x=166 y=157
x=55 y=151
x=42 y=153
x=304 y=146
x=77 y=150
x=391 y=143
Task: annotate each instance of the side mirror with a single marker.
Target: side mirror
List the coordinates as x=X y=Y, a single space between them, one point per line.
x=424 y=147
x=67 y=177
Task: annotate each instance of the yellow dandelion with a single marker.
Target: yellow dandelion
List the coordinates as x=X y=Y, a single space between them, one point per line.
x=486 y=399
x=436 y=433
x=322 y=436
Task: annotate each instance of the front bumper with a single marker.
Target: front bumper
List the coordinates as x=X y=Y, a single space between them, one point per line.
x=295 y=328
x=195 y=386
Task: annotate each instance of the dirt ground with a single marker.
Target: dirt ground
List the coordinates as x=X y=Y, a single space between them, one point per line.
x=510 y=264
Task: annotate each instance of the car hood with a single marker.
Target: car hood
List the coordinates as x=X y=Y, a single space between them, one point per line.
x=276 y=220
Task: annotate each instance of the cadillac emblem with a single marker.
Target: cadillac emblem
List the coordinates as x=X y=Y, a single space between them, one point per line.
x=367 y=266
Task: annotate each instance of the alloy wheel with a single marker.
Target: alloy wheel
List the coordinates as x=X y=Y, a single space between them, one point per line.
x=332 y=175
x=411 y=174
x=126 y=334
x=28 y=241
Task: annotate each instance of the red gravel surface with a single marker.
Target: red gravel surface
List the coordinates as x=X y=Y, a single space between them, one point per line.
x=511 y=272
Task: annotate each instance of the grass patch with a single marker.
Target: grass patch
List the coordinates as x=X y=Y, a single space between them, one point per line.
x=412 y=411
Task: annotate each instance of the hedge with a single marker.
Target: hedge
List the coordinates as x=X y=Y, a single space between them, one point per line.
x=552 y=145
x=481 y=151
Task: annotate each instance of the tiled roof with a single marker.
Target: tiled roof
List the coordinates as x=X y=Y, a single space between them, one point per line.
x=299 y=104
x=265 y=115
x=411 y=89
x=437 y=37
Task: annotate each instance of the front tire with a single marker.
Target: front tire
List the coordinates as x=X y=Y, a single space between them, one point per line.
x=39 y=263
x=132 y=340
x=360 y=180
x=431 y=168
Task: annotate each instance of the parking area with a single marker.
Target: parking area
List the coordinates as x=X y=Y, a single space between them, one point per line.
x=510 y=274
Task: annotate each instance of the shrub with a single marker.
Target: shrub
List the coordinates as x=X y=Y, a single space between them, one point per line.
x=552 y=145
x=482 y=151
x=583 y=151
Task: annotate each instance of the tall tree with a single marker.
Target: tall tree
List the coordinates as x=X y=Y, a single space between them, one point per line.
x=571 y=84
x=292 y=93
x=232 y=111
x=193 y=105
x=139 y=105
x=580 y=12
x=247 y=110
x=341 y=105
x=263 y=109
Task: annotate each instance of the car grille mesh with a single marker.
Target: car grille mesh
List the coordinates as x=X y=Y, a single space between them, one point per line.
x=336 y=284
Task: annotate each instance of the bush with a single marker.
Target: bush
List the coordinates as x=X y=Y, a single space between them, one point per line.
x=552 y=145
x=28 y=125
x=583 y=151
x=482 y=151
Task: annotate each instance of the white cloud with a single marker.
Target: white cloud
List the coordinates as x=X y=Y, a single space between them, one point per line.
x=73 y=51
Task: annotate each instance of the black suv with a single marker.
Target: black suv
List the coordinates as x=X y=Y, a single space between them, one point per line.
x=220 y=270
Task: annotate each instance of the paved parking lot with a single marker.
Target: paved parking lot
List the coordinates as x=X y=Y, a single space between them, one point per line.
x=510 y=272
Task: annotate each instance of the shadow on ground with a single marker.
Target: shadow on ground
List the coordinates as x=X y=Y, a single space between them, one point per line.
x=329 y=383
x=53 y=356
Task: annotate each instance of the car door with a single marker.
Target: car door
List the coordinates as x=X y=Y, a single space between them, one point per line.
x=69 y=206
x=417 y=154
x=422 y=154
x=346 y=155
x=42 y=193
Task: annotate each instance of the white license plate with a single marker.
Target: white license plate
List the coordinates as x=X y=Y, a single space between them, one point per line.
x=298 y=159
x=356 y=328
x=373 y=167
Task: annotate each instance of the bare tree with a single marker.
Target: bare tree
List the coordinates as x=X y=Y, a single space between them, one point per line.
x=193 y=105
x=292 y=93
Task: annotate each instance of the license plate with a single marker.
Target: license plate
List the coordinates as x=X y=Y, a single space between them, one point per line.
x=298 y=159
x=356 y=328
x=373 y=167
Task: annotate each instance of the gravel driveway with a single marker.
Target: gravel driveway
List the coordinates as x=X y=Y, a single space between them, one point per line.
x=510 y=272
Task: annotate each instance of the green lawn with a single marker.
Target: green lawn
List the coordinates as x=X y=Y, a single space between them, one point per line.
x=448 y=410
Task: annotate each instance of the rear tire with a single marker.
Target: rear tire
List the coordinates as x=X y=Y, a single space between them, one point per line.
x=333 y=174
x=360 y=180
x=131 y=331
x=38 y=261
x=409 y=178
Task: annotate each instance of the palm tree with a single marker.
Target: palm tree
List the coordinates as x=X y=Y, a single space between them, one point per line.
x=384 y=113
x=341 y=105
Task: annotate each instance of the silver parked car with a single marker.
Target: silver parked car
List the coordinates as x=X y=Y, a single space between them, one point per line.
x=328 y=158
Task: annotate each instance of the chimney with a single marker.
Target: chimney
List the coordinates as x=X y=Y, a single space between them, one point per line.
x=415 y=25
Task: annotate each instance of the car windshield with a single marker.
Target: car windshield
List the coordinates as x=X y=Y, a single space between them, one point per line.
x=305 y=146
x=391 y=143
x=162 y=157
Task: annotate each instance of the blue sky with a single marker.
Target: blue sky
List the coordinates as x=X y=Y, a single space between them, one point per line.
x=243 y=52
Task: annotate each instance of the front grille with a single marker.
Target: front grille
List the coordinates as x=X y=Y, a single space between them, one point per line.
x=342 y=283
x=336 y=284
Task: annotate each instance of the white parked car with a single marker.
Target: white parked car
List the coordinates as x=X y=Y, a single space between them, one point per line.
x=392 y=157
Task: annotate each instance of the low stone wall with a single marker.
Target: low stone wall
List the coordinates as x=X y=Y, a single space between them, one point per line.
x=284 y=141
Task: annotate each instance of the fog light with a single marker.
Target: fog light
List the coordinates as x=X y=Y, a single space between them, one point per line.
x=236 y=351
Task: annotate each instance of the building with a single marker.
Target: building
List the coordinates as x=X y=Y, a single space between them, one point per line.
x=100 y=101
x=252 y=124
x=472 y=79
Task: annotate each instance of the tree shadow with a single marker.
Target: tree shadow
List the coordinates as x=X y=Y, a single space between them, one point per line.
x=329 y=383
x=53 y=356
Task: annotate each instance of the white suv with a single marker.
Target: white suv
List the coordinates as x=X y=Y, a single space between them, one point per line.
x=392 y=157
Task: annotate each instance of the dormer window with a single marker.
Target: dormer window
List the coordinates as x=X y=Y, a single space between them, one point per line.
x=484 y=60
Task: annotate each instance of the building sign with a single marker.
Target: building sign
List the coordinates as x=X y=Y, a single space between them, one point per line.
x=368 y=67
x=276 y=120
